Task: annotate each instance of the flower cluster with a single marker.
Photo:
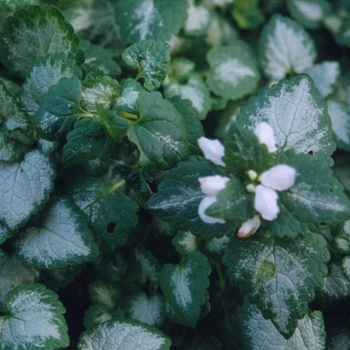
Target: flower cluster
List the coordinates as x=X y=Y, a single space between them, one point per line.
x=278 y=178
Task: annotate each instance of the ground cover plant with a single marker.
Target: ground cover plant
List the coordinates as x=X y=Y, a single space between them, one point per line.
x=174 y=174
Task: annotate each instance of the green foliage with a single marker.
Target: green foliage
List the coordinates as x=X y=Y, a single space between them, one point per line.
x=177 y=171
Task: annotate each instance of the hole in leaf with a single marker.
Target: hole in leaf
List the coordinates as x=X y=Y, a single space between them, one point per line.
x=331 y=190
x=110 y=228
x=311 y=153
x=323 y=225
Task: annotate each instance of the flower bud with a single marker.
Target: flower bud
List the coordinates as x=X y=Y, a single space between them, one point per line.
x=211 y=185
x=213 y=150
x=265 y=134
x=249 y=227
x=252 y=174
x=265 y=202
x=204 y=204
x=250 y=188
x=280 y=177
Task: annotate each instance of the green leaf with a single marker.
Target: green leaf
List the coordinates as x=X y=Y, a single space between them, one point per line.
x=184 y=286
x=25 y=188
x=33 y=317
x=261 y=334
x=4 y=233
x=124 y=333
x=13 y=274
x=152 y=59
x=6 y=5
x=111 y=215
x=278 y=275
x=233 y=74
x=60 y=109
x=159 y=133
x=342 y=239
x=217 y=246
x=340 y=116
x=233 y=203
x=11 y=150
x=315 y=199
x=279 y=59
x=337 y=285
x=193 y=126
x=181 y=69
x=178 y=198
x=194 y=90
x=325 y=76
x=185 y=242
x=309 y=13
x=63 y=239
x=297 y=114
x=105 y=293
x=87 y=141
x=45 y=72
x=98 y=56
x=247 y=13
x=338 y=338
x=343 y=35
x=244 y=152
x=99 y=90
x=33 y=32
x=198 y=19
x=150 y=268
x=129 y=94
x=97 y=314
x=150 y=19
x=146 y=309
x=13 y=119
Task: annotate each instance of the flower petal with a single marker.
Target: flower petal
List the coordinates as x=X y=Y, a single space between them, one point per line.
x=265 y=134
x=203 y=205
x=249 y=227
x=212 y=149
x=280 y=177
x=265 y=202
x=211 y=185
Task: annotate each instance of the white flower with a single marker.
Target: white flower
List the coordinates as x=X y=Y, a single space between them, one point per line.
x=280 y=177
x=265 y=134
x=211 y=185
x=213 y=150
x=249 y=227
x=206 y=202
x=265 y=202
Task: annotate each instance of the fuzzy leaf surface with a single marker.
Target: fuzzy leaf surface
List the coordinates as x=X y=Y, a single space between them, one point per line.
x=33 y=32
x=152 y=59
x=297 y=114
x=261 y=334
x=146 y=309
x=111 y=215
x=150 y=19
x=315 y=199
x=60 y=109
x=309 y=12
x=193 y=126
x=278 y=275
x=13 y=274
x=194 y=90
x=45 y=72
x=178 y=198
x=184 y=286
x=124 y=334
x=63 y=239
x=285 y=48
x=159 y=133
x=25 y=188
x=33 y=316
x=87 y=141
x=233 y=74
x=14 y=121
